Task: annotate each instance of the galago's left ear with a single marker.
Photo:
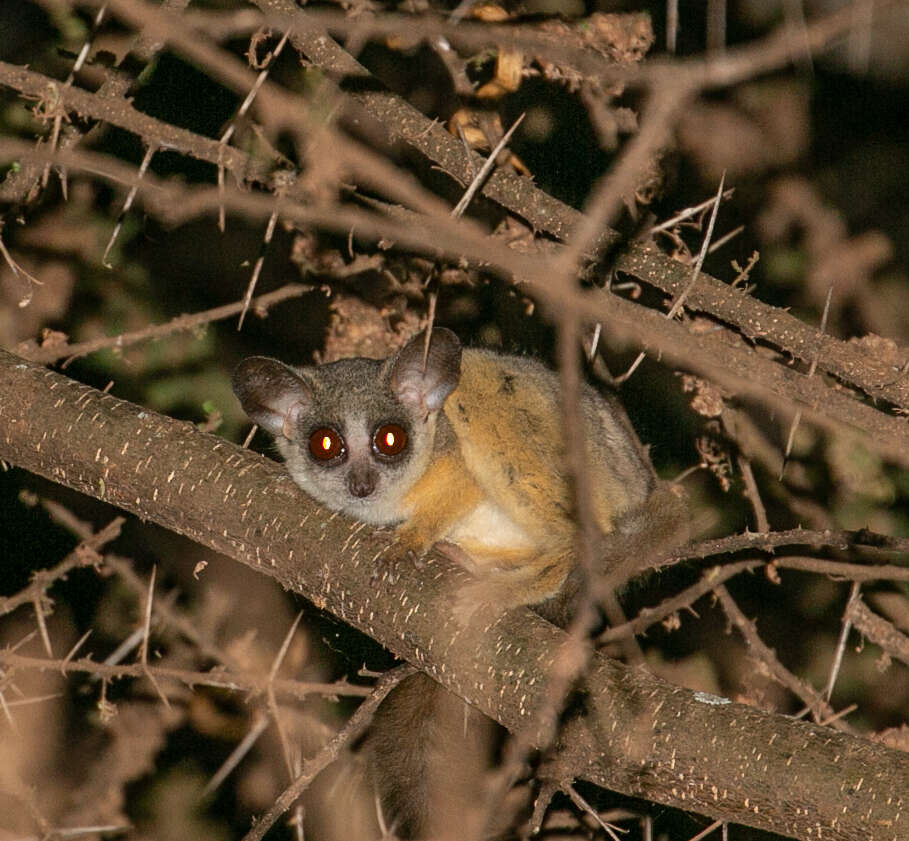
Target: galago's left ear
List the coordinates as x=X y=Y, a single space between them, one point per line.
x=427 y=388
x=271 y=393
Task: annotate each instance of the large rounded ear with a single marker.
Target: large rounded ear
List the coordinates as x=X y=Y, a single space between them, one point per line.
x=426 y=389
x=271 y=393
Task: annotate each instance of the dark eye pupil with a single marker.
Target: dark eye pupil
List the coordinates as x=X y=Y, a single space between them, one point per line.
x=325 y=444
x=390 y=439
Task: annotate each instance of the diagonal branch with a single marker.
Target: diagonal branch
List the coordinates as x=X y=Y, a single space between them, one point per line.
x=877 y=377
x=641 y=736
x=120 y=113
x=721 y=355
x=85 y=554
x=756 y=320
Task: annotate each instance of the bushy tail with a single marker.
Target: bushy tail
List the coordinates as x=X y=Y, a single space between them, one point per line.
x=428 y=755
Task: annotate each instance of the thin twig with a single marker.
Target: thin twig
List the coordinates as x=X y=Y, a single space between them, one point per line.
x=85 y=554
x=273 y=702
x=680 y=299
x=719 y=243
x=128 y=203
x=256 y=729
x=710 y=829
x=42 y=626
x=355 y=725
x=815 y=702
x=78 y=831
x=158 y=331
x=753 y=494
x=488 y=164
x=146 y=627
x=841 y=643
x=72 y=652
x=877 y=629
x=146 y=636
x=839 y=539
x=843 y=570
x=688 y=212
x=582 y=804
x=649 y=616
x=219 y=678
x=817 y=354
x=241 y=112
x=257 y=267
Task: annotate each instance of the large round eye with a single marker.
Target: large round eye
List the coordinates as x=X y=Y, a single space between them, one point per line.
x=390 y=439
x=325 y=444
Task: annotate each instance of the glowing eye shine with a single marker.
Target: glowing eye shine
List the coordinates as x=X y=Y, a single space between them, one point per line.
x=390 y=439
x=325 y=444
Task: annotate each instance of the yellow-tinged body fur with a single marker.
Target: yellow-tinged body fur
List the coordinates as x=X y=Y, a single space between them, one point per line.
x=498 y=487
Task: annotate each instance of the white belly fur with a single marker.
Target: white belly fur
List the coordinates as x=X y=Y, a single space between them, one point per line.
x=488 y=528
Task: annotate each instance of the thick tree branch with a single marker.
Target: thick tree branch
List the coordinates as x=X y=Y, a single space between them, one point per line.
x=642 y=736
x=722 y=356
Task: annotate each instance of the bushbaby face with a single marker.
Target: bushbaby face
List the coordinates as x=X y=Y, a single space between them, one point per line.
x=355 y=434
x=355 y=447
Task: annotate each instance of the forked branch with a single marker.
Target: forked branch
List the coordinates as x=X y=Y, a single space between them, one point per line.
x=642 y=736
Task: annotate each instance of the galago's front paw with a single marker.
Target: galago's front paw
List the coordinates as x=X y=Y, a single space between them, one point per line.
x=412 y=546
x=416 y=558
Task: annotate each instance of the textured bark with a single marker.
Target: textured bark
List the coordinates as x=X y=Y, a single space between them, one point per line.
x=642 y=736
x=545 y=214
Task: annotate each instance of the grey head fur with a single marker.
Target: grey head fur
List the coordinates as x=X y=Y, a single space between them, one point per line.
x=354 y=398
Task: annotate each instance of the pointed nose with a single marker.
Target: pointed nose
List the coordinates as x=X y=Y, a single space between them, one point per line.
x=361 y=483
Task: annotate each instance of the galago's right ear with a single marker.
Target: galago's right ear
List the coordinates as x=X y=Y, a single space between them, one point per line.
x=272 y=394
x=426 y=387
